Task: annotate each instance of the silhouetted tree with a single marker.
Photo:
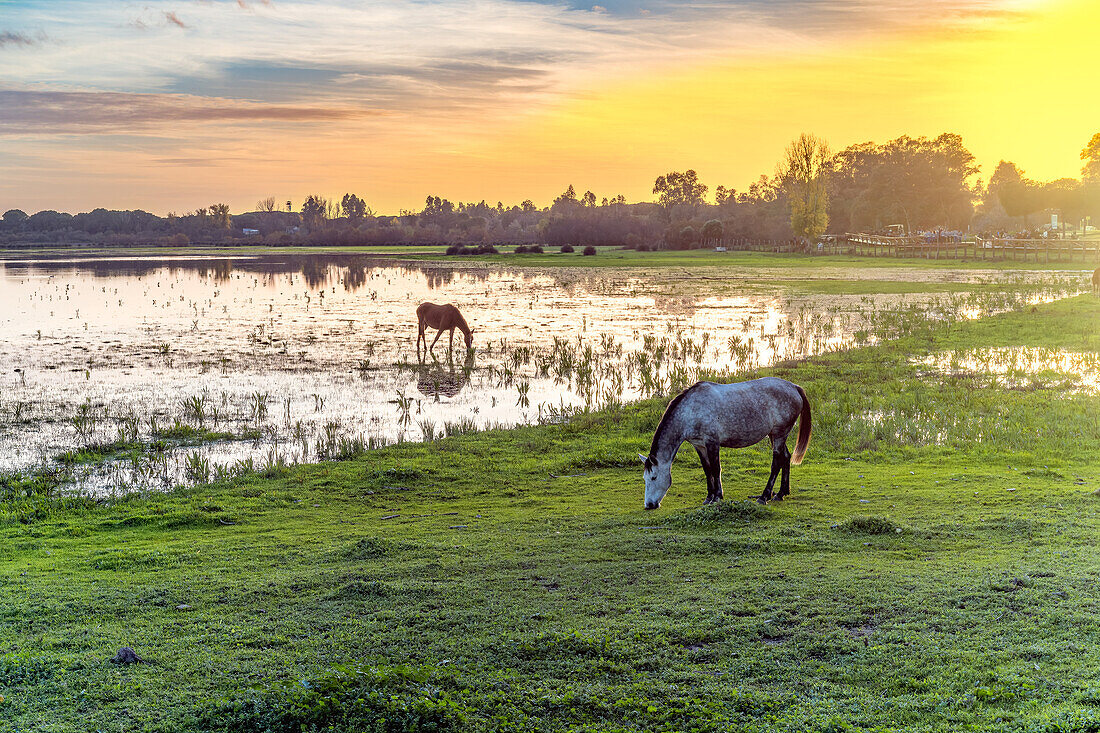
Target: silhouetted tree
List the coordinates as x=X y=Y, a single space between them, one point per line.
x=918 y=182
x=15 y=217
x=1020 y=196
x=712 y=231
x=1091 y=155
x=353 y=207
x=567 y=202
x=805 y=182
x=219 y=216
x=314 y=211
x=679 y=190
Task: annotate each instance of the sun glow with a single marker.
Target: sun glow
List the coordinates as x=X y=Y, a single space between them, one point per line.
x=587 y=105
x=1015 y=86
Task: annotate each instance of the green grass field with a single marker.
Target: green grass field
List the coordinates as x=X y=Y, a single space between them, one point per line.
x=936 y=569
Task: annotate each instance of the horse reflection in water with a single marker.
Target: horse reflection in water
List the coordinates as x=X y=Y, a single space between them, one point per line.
x=436 y=380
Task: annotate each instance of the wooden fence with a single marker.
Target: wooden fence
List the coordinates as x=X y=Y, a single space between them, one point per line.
x=993 y=249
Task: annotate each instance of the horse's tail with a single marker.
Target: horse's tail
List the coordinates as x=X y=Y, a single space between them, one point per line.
x=804 y=429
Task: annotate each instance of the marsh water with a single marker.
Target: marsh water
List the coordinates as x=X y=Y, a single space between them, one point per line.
x=306 y=355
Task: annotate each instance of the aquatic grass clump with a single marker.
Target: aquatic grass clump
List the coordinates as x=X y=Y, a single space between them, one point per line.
x=197 y=468
x=464 y=426
x=428 y=430
x=194 y=409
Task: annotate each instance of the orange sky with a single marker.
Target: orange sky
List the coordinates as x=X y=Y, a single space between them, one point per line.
x=540 y=97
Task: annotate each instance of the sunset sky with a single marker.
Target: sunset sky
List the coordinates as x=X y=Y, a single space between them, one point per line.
x=168 y=106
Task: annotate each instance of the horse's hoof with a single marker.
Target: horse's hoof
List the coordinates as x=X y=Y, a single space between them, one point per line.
x=760 y=500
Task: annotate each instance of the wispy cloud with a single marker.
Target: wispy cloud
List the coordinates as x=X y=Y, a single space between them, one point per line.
x=42 y=113
x=350 y=84
x=12 y=38
x=447 y=53
x=174 y=19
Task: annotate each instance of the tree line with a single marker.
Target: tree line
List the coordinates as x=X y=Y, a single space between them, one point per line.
x=907 y=184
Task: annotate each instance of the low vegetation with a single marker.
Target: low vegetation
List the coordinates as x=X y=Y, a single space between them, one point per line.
x=933 y=570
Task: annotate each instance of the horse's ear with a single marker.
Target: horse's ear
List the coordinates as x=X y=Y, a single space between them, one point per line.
x=643 y=457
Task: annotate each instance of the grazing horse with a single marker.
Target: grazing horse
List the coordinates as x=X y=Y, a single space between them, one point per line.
x=1096 y=280
x=444 y=318
x=710 y=415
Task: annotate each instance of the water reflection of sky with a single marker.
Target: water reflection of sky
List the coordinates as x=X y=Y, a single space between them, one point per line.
x=331 y=340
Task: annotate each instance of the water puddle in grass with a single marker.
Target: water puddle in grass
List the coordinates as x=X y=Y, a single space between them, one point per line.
x=313 y=356
x=1021 y=367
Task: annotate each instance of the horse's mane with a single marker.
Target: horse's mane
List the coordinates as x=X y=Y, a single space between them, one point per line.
x=664 y=424
x=460 y=321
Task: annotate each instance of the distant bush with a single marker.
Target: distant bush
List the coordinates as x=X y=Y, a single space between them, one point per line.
x=481 y=249
x=520 y=249
x=643 y=247
x=589 y=250
x=566 y=249
x=533 y=249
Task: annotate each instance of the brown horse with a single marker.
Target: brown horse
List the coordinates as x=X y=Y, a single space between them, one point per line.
x=444 y=318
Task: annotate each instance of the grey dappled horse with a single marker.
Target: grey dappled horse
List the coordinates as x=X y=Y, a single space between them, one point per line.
x=710 y=416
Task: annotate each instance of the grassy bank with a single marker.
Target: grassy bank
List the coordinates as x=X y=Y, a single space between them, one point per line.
x=935 y=569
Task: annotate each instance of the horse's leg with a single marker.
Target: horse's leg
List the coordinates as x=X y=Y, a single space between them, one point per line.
x=437 y=335
x=715 y=470
x=707 y=471
x=785 y=485
x=451 y=345
x=765 y=497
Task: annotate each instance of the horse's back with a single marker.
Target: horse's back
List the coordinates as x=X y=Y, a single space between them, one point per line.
x=435 y=315
x=743 y=413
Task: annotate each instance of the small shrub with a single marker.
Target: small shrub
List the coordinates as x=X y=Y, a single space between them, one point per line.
x=723 y=511
x=521 y=249
x=369 y=548
x=589 y=250
x=481 y=249
x=567 y=249
x=870 y=525
x=535 y=249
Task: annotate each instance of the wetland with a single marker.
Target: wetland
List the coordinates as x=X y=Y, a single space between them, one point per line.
x=131 y=372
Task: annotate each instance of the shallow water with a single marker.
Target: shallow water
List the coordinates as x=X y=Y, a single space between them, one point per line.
x=300 y=348
x=1022 y=367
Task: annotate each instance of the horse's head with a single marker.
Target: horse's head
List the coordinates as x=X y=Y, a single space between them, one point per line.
x=658 y=479
x=470 y=339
